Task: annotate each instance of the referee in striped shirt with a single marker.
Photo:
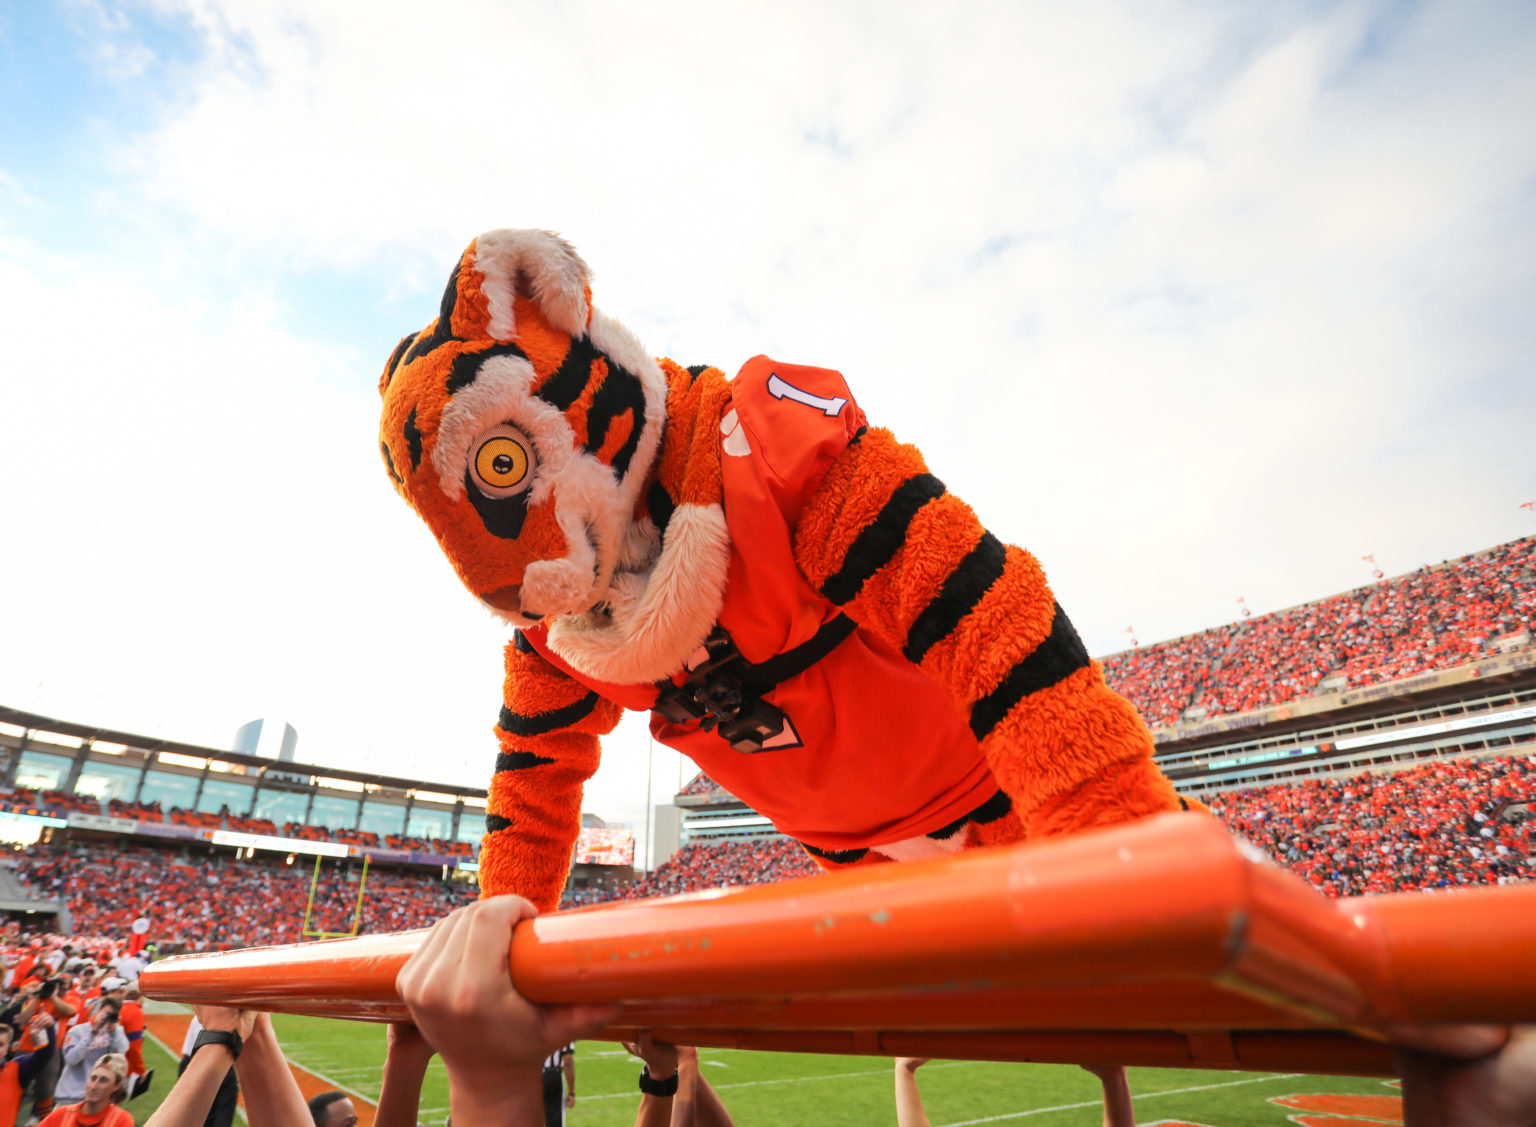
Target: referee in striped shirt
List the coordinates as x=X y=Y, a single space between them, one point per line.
x=558 y=1096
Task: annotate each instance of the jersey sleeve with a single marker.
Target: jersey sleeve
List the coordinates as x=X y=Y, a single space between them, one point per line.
x=548 y=733
x=883 y=539
x=28 y=1065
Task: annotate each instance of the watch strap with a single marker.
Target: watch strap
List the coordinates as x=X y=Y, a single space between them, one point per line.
x=225 y=1037
x=667 y=1087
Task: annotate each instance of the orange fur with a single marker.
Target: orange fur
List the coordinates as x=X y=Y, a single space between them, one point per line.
x=1054 y=747
x=1054 y=739
x=1009 y=622
x=849 y=498
x=1132 y=788
x=473 y=310
x=1003 y=831
x=542 y=802
x=689 y=466
x=578 y=411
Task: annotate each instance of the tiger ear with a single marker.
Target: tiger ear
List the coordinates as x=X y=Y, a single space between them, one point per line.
x=538 y=265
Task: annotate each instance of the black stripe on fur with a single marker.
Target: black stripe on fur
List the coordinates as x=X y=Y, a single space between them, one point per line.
x=571 y=378
x=1055 y=659
x=494 y=823
x=620 y=392
x=989 y=811
x=389 y=463
x=442 y=331
x=992 y=809
x=518 y=760
x=836 y=856
x=981 y=567
x=659 y=503
x=394 y=357
x=878 y=542
x=413 y=439
x=466 y=366
x=502 y=516
x=517 y=724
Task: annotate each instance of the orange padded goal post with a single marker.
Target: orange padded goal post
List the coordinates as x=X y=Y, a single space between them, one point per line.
x=1166 y=943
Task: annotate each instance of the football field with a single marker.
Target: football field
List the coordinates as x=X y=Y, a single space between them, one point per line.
x=827 y=1091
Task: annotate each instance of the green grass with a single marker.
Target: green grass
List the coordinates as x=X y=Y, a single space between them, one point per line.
x=827 y=1091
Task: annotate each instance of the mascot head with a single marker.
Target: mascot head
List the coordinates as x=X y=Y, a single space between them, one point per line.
x=522 y=426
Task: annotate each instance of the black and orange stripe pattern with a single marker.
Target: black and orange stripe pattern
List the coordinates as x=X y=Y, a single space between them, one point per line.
x=548 y=733
x=883 y=539
x=603 y=401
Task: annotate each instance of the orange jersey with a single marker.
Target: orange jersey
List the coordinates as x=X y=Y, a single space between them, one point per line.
x=11 y=1091
x=44 y=1006
x=863 y=711
x=131 y=1018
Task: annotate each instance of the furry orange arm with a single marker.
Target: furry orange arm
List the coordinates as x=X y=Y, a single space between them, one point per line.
x=883 y=539
x=549 y=729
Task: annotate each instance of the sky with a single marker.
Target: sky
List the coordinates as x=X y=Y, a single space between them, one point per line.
x=1194 y=301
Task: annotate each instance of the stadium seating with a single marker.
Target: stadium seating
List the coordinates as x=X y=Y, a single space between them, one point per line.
x=203 y=902
x=700 y=784
x=60 y=803
x=1433 y=618
x=250 y=825
x=696 y=867
x=1438 y=825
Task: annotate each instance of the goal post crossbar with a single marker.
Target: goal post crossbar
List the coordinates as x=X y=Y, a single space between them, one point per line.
x=1165 y=942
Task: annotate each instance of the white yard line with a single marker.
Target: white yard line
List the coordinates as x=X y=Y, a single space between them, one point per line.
x=332 y=1081
x=788 y=1080
x=1144 y=1096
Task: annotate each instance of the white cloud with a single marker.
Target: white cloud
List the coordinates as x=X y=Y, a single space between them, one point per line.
x=1194 y=303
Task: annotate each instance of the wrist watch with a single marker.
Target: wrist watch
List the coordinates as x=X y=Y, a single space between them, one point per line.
x=228 y=1038
x=667 y=1087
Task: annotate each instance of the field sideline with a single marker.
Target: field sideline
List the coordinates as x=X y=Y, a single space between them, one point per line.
x=827 y=1091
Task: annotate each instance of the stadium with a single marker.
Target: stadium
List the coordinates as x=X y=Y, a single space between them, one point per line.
x=1376 y=740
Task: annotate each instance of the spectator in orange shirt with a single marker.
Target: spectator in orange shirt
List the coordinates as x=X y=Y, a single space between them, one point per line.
x=58 y=1009
x=103 y=1092
x=132 y=1019
x=17 y=1072
x=24 y=966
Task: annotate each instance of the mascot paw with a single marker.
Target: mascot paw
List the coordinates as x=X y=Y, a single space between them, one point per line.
x=554 y=587
x=1125 y=792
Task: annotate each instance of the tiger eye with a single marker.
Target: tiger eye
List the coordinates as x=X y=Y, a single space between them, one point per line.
x=501 y=462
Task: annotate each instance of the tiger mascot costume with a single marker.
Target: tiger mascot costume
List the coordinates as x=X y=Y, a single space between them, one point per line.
x=799 y=603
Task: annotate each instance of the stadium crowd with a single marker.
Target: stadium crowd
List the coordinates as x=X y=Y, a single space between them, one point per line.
x=1439 y=825
x=696 y=867
x=699 y=784
x=60 y=803
x=1433 y=618
x=207 y=901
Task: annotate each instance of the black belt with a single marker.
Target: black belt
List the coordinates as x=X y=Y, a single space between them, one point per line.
x=724 y=692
